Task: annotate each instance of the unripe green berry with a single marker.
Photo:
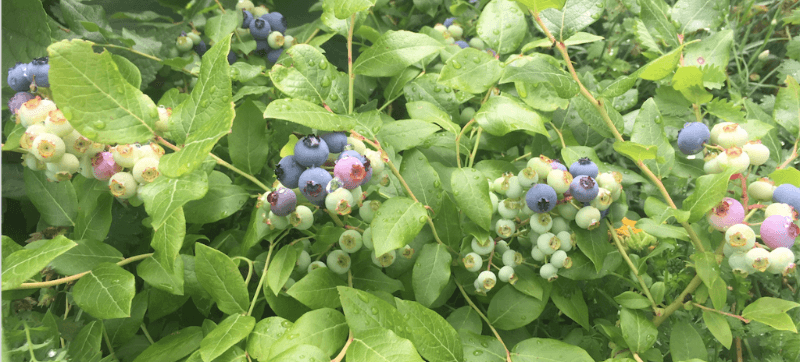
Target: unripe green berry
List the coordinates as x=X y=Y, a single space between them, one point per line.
x=608 y=181
x=146 y=170
x=501 y=247
x=472 y=262
x=740 y=237
x=258 y=11
x=484 y=248
x=514 y=188
x=779 y=260
x=302 y=218
x=407 y=252
x=779 y=209
x=35 y=111
x=278 y=222
x=275 y=40
x=567 y=240
x=375 y=160
x=466 y=115
x=757 y=152
x=567 y=210
x=548 y=243
x=738 y=263
x=504 y=228
x=527 y=177
x=123 y=185
x=338 y=262
x=507 y=275
x=384 y=260
x=440 y=28
x=495 y=202
x=549 y=272
x=26 y=141
x=477 y=43
x=537 y=254
x=761 y=190
x=366 y=238
x=124 y=155
x=559 y=180
x=316 y=265
x=68 y=164
x=512 y=258
x=33 y=163
x=56 y=124
x=757 y=258
x=357 y=145
x=559 y=225
x=289 y=41
x=340 y=201
x=561 y=260
x=487 y=279
x=541 y=223
x=603 y=200
x=194 y=36
x=245 y=5
x=588 y=218
x=455 y=31
x=350 y=241
x=184 y=43
x=303 y=261
x=367 y=211
x=508 y=208
x=48 y=147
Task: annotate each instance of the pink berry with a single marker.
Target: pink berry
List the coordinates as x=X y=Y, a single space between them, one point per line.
x=104 y=166
x=351 y=171
x=779 y=231
x=727 y=213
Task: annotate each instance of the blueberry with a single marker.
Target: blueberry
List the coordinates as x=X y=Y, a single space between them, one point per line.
x=558 y=166
x=20 y=77
x=584 y=188
x=282 y=201
x=449 y=21
x=584 y=166
x=274 y=54
x=541 y=198
x=262 y=47
x=288 y=171
x=335 y=140
x=18 y=99
x=787 y=194
x=351 y=171
x=276 y=21
x=201 y=48
x=352 y=153
x=311 y=151
x=40 y=68
x=692 y=137
x=260 y=29
x=232 y=57
x=462 y=44
x=727 y=213
x=312 y=184
x=779 y=231
x=247 y=18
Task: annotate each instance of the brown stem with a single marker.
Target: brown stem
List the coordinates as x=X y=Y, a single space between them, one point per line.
x=743 y=319
x=791 y=157
x=678 y=302
x=341 y=354
x=739 y=357
x=76 y=276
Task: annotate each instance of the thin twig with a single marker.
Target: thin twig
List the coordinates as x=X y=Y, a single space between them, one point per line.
x=263 y=276
x=350 y=74
x=342 y=353
x=76 y=276
x=743 y=319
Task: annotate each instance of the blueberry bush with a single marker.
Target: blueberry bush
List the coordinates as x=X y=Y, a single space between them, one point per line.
x=376 y=180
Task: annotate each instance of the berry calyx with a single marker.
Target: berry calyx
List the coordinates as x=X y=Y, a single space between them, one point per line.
x=472 y=262
x=123 y=185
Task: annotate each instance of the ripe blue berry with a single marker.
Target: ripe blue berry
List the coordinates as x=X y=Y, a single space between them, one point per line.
x=282 y=201
x=311 y=151
x=274 y=54
x=200 y=48
x=276 y=21
x=335 y=140
x=232 y=57
x=473 y=262
x=312 y=184
x=20 y=77
x=584 y=188
x=787 y=194
x=288 y=171
x=692 y=137
x=247 y=18
x=40 y=69
x=449 y=21
x=462 y=44
x=584 y=166
x=541 y=198
x=260 y=29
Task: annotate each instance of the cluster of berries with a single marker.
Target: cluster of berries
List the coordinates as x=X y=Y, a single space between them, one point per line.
x=23 y=75
x=730 y=146
x=267 y=28
x=192 y=41
x=454 y=34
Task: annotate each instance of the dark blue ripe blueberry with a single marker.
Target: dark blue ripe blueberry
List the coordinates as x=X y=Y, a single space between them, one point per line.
x=40 y=68
x=288 y=171
x=352 y=153
x=274 y=54
x=448 y=21
x=787 y=194
x=558 y=166
x=541 y=198
x=247 y=18
x=311 y=151
x=583 y=188
x=282 y=201
x=201 y=48
x=584 y=166
x=462 y=44
x=19 y=77
x=276 y=21
x=335 y=140
x=692 y=137
x=232 y=57
x=312 y=184
x=260 y=29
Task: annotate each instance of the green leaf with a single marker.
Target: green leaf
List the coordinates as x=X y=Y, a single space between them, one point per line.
x=694 y=15
x=25 y=263
x=435 y=339
x=393 y=52
x=203 y=118
x=471 y=70
x=637 y=330
x=356 y=303
x=719 y=327
x=787 y=106
x=168 y=278
x=648 y=129
x=422 y=179
x=731 y=112
x=395 y=86
x=531 y=283
x=221 y=201
x=324 y=328
x=168 y=238
x=221 y=26
x=173 y=347
x=266 y=332
x=56 y=201
x=709 y=190
x=539 y=5
x=655 y=13
x=786 y=176
x=301 y=353
x=86 y=345
x=431 y=273
x=708 y=270
x=21 y=41
x=714 y=50
x=397 y=221
x=94 y=219
x=685 y=343
x=406 y=134
x=308 y=114
x=429 y=112
x=248 y=138
x=85 y=256
x=448 y=223
x=662 y=66
x=577 y=15
x=571 y=303
x=304 y=74
x=471 y=191
x=661 y=212
x=689 y=81
x=379 y=344
x=96 y=98
x=541 y=69
x=478 y=348
x=591 y=116
x=106 y=292
x=635 y=151
x=369 y=277
x=465 y=318
x=511 y=309
x=632 y=300
x=228 y=333
x=318 y=289
x=427 y=88
x=501 y=115
x=128 y=70
x=220 y=277
x=541 y=96
x=165 y=195
x=621 y=85
x=344 y=8
x=280 y=268
x=502 y=25
x=546 y=349
x=594 y=244
x=772 y=312
x=122 y=330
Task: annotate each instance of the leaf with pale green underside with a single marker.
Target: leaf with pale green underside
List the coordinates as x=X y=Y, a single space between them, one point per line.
x=266 y=332
x=431 y=273
x=86 y=345
x=382 y=315
x=540 y=69
x=708 y=192
x=308 y=114
x=576 y=15
x=635 y=151
x=56 y=202
x=173 y=347
x=637 y=330
x=655 y=14
x=381 y=345
x=434 y=338
x=511 y=309
x=344 y=8
x=594 y=244
x=422 y=179
x=502 y=25
x=304 y=73
x=501 y=115
x=96 y=98
x=786 y=176
x=165 y=195
x=168 y=238
x=85 y=256
x=222 y=200
x=203 y=118
x=229 y=332
x=429 y=112
x=25 y=263
x=591 y=116
x=156 y=274
x=221 y=26
x=546 y=349
x=685 y=343
x=397 y=221
x=632 y=300
x=471 y=70
x=471 y=192
x=689 y=81
x=220 y=277
x=324 y=328
x=694 y=15
x=539 y=5
x=787 y=106
x=407 y=133
x=393 y=52
x=318 y=289
x=772 y=312
x=106 y=292
x=128 y=70
x=662 y=66
x=719 y=327
x=248 y=139
x=280 y=268
x=648 y=129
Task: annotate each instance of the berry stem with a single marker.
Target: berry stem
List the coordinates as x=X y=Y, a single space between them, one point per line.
x=71 y=278
x=108 y=344
x=633 y=267
x=351 y=75
x=678 y=302
x=340 y=356
x=249 y=267
x=475 y=148
x=636 y=357
x=458 y=141
x=792 y=157
x=485 y=319
x=335 y=218
x=148 y=56
x=263 y=276
x=698 y=305
x=560 y=136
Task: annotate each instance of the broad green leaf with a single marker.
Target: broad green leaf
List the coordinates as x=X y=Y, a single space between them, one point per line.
x=324 y=328
x=635 y=151
x=632 y=300
x=709 y=190
x=539 y=5
x=621 y=85
x=280 y=268
x=426 y=87
x=393 y=52
x=719 y=327
x=689 y=81
x=591 y=116
x=637 y=330
x=576 y=15
x=203 y=118
x=429 y=112
x=248 y=140
x=173 y=347
x=406 y=134
x=369 y=277
x=356 y=303
x=25 y=263
x=529 y=282
x=448 y=223
x=501 y=115
x=661 y=230
x=222 y=200
x=431 y=273
x=86 y=345
x=655 y=14
x=649 y=130
x=168 y=278
x=471 y=191
x=128 y=70
x=397 y=221
x=168 y=238
x=379 y=344
x=304 y=73
x=511 y=309
x=685 y=343
x=56 y=201
x=568 y=298
x=228 y=333
x=694 y=15
x=540 y=69
x=435 y=339
x=541 y=96
x=546 y=349
x=318 y=289
x=478 y=348
x=786 y=176
x=308 y=114
x=244 y=72
x=772 y=312
x=21 y=41
x=266 y=332
x=594 y=244
x=165 y=195
x=661 y=212
x=714 y=50
x=220 y=277
x=708 y=270
x=221 y=26
x=344 y=8
x=395 y=86
x=96 y=98
x=471 y=70
x=465 y=318
x=422 y=179
x=94 y=219
x=85 y=256
x=502 y=25
x=731 y=112
x=662 y=66
x=301 y=353
x=121 y=330
x=106 y=292
x=787 y=106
